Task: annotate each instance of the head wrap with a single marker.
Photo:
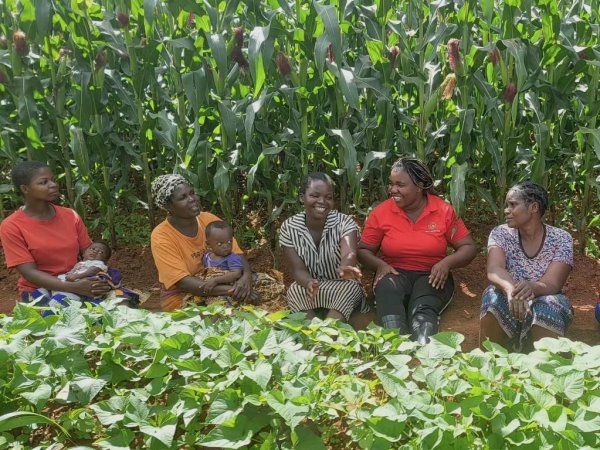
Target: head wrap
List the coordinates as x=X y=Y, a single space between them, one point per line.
x=163 y=187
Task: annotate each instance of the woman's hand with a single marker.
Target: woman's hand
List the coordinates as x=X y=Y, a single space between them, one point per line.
x=242 y=287
x=209 y=285
x=518 y=308
x=349 y=273
x=312 y=288
x=383 y=270
x=519 y=299
x=439 y=274
x=92 y=288
x=523 y=290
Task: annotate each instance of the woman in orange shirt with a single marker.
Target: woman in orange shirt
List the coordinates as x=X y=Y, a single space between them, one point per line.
x=405 y=242
x=178 y=244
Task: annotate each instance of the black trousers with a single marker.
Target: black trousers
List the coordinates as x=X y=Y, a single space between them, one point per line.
x=410 y=296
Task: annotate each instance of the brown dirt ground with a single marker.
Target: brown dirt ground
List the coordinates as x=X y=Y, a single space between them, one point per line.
x=462 y=315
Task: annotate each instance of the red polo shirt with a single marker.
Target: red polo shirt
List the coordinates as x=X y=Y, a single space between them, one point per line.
x=413 y=246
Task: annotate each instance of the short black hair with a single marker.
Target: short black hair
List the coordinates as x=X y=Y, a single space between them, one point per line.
x=23 y=173
x=315 y=176
x=216 y=225
x=106 y=246
x=531 y=192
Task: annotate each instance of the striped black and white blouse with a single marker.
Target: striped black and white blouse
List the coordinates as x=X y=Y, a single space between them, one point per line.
x=322 y=262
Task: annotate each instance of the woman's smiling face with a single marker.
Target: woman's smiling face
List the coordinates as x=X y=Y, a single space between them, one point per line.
x=402 y=189
x=318 y=199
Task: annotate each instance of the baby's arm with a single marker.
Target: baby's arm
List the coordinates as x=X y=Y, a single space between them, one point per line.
x=225 y=279
x=81 y=274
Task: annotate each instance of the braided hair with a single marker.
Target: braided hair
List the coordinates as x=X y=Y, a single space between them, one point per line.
x=530 y=193
x=315 y=176
x=417 y=171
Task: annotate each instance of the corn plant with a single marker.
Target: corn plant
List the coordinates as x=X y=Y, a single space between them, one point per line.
x=246 y=98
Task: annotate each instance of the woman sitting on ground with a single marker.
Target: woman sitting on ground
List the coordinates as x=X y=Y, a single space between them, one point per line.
x=405 y=242
x=179 y=243
x=528 y=264
x=319 y=247
x=43 y=240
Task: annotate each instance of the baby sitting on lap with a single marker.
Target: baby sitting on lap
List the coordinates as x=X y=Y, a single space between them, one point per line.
x=222 y=267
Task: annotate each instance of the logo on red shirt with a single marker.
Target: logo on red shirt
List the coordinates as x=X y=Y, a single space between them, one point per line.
x=432 y=227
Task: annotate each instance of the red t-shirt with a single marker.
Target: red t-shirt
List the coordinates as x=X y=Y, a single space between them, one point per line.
x=53 y=245
x=413 y=246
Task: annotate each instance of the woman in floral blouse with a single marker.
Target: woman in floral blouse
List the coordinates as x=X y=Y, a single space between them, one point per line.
x=528 y=264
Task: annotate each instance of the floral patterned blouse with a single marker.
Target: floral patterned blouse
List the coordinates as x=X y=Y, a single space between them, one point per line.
x=557 y=246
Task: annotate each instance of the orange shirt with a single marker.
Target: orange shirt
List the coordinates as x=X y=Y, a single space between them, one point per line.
x=177 y=256
x=413 y=246
x=53 y=245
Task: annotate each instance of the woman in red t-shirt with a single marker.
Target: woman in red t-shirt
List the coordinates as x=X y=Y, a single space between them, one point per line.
x=405 y=242
x=42 y=240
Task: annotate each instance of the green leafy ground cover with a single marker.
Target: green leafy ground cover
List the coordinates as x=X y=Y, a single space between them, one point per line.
x=117 y=378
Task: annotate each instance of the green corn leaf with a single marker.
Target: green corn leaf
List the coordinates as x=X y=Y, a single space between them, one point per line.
x=18 y=419
x=328 y=15
x=229 y=121
x=149 y=9
x=219 y=52
x=258 y=36
x=79 y=150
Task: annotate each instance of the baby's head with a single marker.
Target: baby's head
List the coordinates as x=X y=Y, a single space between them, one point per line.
x=219 y=238
x=98 y=250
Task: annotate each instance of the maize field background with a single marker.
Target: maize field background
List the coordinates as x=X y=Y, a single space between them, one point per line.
x=245 y=98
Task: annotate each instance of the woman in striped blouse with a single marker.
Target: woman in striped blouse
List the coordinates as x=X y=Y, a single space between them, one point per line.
x=319 y=246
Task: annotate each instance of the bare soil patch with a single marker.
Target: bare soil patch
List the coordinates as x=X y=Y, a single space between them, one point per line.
x=462 y=315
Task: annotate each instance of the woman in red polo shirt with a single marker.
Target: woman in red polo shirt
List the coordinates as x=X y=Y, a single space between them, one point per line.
x=42 y=240
x=405 y=242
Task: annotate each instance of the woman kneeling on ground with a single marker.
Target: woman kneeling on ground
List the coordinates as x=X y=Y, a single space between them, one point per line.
x=179 y=244
x=319 y=246
x=43 y=240
x=405 y=242
x=528 y=264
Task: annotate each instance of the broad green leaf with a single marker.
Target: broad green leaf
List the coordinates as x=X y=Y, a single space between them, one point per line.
x=291 y=413
x=40 y=396
x=82 y=389
x=304 y=438
x=570 y=384
x=110 y=411
x=260 y=373
x=389 y=430
x=223 y=436
x=225 y=406
x=117 y=439
x=164 y=433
